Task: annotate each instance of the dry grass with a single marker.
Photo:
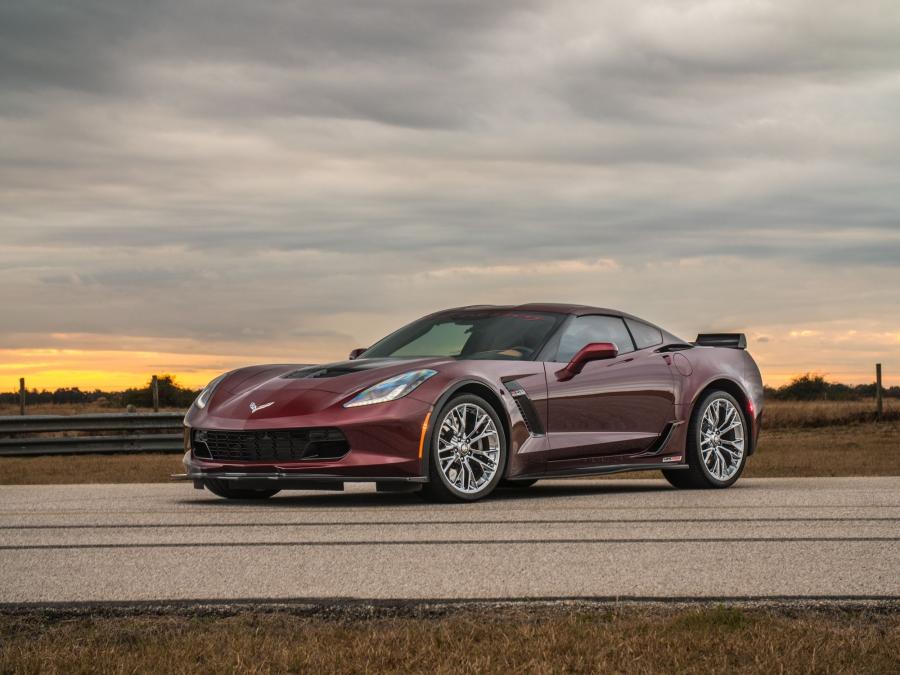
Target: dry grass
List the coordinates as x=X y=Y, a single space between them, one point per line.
x=795 y=442
x=477 y=641
x=859 y=450
x=150 y=468
x=794 y=414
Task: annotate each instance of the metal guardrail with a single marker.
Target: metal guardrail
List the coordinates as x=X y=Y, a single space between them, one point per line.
x=123 y=433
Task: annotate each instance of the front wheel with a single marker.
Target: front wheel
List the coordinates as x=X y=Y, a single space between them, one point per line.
x=468 y=451
x=220 y=487
x=716 y=444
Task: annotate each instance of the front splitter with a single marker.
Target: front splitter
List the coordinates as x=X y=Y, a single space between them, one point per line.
x=291 y=481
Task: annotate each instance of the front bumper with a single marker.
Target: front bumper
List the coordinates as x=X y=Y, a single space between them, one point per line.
x=384 y=444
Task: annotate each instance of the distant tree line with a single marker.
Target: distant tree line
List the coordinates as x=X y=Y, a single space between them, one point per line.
x=171 y=395
x=812 y=387
x=808 y=387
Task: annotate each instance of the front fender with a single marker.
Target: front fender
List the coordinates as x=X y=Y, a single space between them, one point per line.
x=526 y=453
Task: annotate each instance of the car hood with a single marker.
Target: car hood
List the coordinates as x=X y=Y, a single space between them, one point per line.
x=289 y=390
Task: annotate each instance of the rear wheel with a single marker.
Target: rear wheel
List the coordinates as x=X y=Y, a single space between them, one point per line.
x=716 y=444
x=220 y=487
x=468 y=451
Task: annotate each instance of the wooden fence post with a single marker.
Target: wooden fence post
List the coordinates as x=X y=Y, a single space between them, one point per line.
x=154 y=388
x=21 y=395
x=879 y=405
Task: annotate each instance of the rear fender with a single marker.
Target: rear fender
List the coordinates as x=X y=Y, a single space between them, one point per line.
x=736 y=389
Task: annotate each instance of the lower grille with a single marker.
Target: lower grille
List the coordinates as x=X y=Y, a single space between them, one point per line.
x=262 y=446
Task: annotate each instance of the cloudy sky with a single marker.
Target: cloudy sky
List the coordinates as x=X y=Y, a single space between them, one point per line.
x=188 y=185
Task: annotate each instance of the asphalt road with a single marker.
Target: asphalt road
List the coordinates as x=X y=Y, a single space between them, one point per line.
x=816 y=538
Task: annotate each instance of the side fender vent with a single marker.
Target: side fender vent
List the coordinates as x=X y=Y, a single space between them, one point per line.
x=526 y=408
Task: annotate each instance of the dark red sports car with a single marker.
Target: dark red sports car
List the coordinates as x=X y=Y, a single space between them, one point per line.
x=465 y=400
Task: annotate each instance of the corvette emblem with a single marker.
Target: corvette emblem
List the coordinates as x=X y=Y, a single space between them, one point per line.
x=254 y=407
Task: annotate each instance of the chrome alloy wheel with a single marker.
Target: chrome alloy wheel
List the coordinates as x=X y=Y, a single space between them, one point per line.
x=722 y=439
x=468 y=448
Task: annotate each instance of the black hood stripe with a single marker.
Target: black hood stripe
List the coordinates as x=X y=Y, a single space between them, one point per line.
x=340 y=368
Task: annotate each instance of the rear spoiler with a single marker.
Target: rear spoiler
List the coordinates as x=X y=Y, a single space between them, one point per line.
x=732 y=340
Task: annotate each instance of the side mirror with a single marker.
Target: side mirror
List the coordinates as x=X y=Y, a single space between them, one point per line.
x=355 y=354
x=595 y=351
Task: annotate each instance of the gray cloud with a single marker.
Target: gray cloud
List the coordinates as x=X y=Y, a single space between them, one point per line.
x=196 y=168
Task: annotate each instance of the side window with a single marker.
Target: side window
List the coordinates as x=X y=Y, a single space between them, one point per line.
x=644 y=335
x=584 y=330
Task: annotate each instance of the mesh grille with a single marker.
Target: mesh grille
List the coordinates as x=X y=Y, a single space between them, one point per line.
x=282 y=444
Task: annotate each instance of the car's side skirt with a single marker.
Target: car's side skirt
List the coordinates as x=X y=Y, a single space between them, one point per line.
x=663 y=441
x=395 y=484
x=600 y=470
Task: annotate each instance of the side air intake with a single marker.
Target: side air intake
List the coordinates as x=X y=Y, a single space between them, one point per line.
x=526 y=408
x=731 y=340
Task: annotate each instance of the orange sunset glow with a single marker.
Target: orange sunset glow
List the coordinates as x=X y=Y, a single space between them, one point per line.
x=781 y=358
x=186 y=200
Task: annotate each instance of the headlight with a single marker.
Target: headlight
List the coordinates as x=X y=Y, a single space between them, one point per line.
x=391 y=389
x=207 y=392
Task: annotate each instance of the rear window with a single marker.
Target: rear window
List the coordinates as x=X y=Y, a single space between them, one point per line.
x=644 y=335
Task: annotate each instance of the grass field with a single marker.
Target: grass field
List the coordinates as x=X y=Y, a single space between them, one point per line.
x=534 y=640
x=854 y=450
x=799 y=439
x=794 y=414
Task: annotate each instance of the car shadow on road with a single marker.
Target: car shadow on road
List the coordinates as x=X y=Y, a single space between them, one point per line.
x=336 y=499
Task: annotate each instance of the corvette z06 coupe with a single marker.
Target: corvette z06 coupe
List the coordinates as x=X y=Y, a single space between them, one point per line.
x=467 y=400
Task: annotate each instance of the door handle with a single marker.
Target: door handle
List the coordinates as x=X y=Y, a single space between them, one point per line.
x=619 y=363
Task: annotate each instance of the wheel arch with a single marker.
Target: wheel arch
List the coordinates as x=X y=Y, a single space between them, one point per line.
x=467 y=386
x=735 y=389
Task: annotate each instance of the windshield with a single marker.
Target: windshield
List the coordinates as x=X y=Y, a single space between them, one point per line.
x=507 y=335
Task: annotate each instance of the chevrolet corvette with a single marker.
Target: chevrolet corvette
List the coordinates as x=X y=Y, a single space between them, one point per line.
x=465 y=401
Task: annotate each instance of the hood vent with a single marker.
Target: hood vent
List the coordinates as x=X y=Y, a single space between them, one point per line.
x=319 y=372
x=340 y=368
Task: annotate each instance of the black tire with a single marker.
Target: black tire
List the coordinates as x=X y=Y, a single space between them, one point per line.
x=698 y=476
x=220 y=487
x=438 y=488
x=517 y=484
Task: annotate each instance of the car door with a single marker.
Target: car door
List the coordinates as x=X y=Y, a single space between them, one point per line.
x=615 y=406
